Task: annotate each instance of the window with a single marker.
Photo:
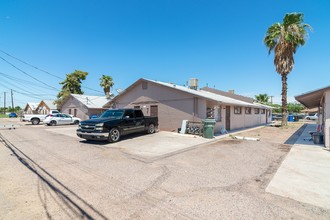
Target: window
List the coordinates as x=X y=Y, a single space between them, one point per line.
x=75 y=112
x=237 y=110
x=247 y=110
x=218 y=114
x=209 y=112
x=256 y=111
x=262 y=111
x=144 y=85
x=129 y=114
x=69 y=111
x=138 y=114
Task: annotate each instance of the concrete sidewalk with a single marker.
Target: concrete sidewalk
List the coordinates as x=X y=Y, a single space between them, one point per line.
x=304 y=175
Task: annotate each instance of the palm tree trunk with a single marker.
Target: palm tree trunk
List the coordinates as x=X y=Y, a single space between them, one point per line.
x=284 y=100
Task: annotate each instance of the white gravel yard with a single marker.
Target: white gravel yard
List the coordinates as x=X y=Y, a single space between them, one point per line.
x=61 y=177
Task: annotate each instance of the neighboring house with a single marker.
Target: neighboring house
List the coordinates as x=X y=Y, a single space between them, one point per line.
x=45 y=106
x=30 y=108
x=84 y=106
x=173 y=103
x=319 y=99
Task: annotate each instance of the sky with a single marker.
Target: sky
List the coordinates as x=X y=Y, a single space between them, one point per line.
x=218 y=42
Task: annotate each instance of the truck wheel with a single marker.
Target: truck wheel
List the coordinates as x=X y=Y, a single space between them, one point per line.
x=151 y=129
x=35 y=121
x=52 y=123
x=114 y=135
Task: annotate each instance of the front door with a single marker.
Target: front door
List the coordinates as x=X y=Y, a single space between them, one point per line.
x=154 y=110
x=228 y=118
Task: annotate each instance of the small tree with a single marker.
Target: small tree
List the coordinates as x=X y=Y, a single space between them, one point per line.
x=71 y=85
x=106 y=83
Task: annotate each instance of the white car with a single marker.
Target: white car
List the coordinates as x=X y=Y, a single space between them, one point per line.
x=312 y=117
x=61 y=119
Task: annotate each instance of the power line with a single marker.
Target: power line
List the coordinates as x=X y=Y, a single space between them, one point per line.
x=26 y=63
x=31 y=65
x=28 y=74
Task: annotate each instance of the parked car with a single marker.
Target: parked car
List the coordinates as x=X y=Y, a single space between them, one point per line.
x=114 y=123
x=94 y=116
x=276 y=117
x=37 y=118
x=312 y=117
x=61 y=119
x=12 y=115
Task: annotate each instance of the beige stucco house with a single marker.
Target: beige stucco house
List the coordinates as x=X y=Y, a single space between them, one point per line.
x=84 y=106
x=45 y=106
x=30 y=108
x=319 y=99
x=173 y=103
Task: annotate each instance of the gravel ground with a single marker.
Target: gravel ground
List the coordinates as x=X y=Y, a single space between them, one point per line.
x=46 y=175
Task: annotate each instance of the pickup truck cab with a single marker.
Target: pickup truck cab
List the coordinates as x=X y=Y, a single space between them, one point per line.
x=114 y=123
x=37 y=118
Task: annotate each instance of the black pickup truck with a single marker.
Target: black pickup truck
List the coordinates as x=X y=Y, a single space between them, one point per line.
x=114 y=123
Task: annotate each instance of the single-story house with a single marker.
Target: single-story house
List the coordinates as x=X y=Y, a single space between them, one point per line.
x=321 y=99
x=84 y=106
x=45 y=106
x=174 y=103
x=30 y=108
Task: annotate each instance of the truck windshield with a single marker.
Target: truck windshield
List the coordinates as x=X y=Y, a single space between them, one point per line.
x=113 y=114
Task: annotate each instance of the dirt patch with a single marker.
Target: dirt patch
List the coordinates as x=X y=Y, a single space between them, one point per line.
x=278 y=135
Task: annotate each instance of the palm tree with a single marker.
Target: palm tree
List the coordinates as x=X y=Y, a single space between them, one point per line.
x=284 y=39
x=262 y=98
x=106 y=83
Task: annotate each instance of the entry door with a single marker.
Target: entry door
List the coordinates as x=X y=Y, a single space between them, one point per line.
x=228 y=118
x=154 y=110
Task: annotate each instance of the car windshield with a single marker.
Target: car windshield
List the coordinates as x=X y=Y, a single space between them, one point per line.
x=113 y=114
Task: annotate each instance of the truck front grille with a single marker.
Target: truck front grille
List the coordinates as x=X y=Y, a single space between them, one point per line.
x=87 y=128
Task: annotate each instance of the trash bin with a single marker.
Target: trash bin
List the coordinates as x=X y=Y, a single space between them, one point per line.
x=295 y=118
x=290 y=118
x=208 y=128
x=317 y=138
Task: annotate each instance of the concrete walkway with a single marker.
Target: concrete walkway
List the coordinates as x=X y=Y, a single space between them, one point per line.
x=304 y=175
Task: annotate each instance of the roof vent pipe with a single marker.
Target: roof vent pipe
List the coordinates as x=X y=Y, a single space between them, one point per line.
x=193 y=83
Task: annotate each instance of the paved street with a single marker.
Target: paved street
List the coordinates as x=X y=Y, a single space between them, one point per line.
x=49 y=173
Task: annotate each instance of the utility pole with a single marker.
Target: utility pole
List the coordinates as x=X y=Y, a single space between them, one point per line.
x=271 y=99
x=4 y=102
x=12 y=101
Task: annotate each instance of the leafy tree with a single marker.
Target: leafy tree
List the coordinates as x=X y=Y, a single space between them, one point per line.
x=106 y=83
x=262 y=98
x=295 y=107
x=71 y=85
x=284 y=39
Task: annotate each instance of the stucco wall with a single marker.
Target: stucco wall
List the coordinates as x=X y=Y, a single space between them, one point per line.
x=72 y=103
x=173 y=106
x=326 y=117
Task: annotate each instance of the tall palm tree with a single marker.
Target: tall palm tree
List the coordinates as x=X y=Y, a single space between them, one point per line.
x=106 y=83
x=284 y=39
